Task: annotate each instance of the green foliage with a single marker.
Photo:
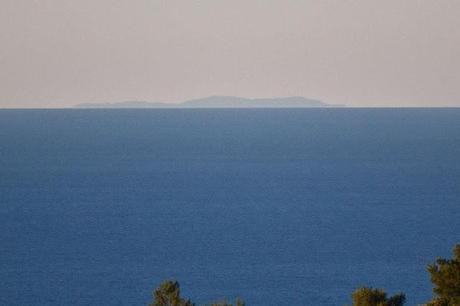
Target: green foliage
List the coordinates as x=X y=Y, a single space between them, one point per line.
x=445 y=276
x=168 y=294
x=396 y=300
x=237 y=303
x=367 y=296
x=444 y=273
x=440 y=302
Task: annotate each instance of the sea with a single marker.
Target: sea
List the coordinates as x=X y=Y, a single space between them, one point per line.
x=276 y=206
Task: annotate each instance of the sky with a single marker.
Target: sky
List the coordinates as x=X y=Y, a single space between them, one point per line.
x=57 y=53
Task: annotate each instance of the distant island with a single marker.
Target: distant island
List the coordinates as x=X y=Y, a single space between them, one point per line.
x=219 y=102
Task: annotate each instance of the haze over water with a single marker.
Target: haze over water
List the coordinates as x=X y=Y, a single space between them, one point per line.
x=57 y=53
x=278 y=207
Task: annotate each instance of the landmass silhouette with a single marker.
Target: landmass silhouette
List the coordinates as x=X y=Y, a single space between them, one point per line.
x=219 y=102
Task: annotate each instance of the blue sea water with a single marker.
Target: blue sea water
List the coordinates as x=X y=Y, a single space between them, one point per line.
x=277 y=206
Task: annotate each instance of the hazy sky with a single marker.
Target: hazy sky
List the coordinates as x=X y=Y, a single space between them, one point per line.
x=55 y=53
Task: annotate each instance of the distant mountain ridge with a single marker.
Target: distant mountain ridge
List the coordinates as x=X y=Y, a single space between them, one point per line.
x=219 y=102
